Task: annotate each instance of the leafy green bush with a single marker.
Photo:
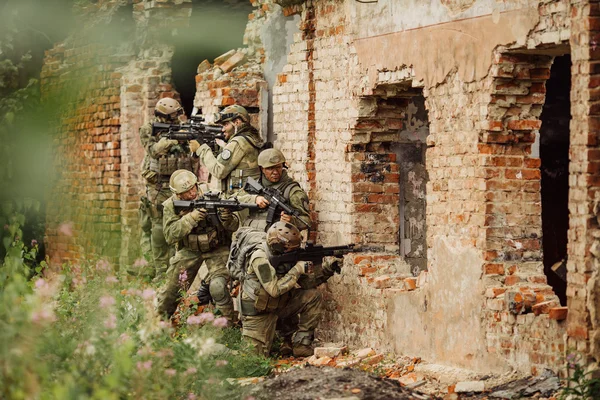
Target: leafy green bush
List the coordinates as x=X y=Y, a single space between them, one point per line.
x=87 y=331
x=582 y=383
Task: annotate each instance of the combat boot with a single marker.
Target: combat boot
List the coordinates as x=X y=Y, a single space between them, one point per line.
x=286 y=347
x=302 y=344
x=303 y=350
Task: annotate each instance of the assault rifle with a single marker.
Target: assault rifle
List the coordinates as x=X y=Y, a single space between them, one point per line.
x=311 y=252
x=211 y=202
x=276 y=200
x=195 y=129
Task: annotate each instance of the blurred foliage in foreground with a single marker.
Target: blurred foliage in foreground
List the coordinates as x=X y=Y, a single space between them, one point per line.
x=89 y=332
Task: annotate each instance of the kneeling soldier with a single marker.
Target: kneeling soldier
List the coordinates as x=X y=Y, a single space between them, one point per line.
x=196 y=240
x=269 y=294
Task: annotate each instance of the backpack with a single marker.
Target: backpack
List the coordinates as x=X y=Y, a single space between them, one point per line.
x=247 y=239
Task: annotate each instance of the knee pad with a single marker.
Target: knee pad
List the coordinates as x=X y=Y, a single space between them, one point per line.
x=218 y=289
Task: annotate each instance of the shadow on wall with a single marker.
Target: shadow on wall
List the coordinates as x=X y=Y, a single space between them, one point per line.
x=215 y=27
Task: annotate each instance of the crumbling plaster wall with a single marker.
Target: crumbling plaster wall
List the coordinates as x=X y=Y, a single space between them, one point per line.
x=344 y=53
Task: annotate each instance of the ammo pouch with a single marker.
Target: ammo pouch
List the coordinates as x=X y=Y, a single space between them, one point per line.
x=203 y=242
x=237 y=177
x=167 y=165
x=264 y=303
x=150 y=176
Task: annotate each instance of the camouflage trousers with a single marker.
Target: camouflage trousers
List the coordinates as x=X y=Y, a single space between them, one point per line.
x=182 y=271
x=259 y=330
x=161 y=251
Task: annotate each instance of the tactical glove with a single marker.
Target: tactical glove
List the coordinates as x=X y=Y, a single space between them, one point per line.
x=194 y=145
x=332 y=265
x=300 y=268
x=204 y=294
x=163 y=145
x=198 y=215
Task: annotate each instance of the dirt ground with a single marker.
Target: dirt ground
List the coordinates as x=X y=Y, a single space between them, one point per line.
x=310 y=383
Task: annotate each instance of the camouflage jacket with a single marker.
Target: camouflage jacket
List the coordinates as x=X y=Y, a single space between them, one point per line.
x=237 y=160
x=291 y=191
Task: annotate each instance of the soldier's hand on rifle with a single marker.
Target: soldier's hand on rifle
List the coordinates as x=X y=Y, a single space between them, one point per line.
x=286 y=218
x=221 y=143
x=226 y=215
x=164 y=144
x=199 y=214
x=332 y=265
x=262 y=202
x=194 y=145
x=301 y=268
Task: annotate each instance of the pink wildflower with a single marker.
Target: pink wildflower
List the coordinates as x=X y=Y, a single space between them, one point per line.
x=183 y=278
x=40 y=284
x=192 y=396
x=221 y=363
x=220 y=322
x=34 y=242
x=66 y=228
x=111 y=279
x=111 y=322
x=123 y=338
x=190 y=371
x=140 y=262
x=148 y=294
x=43 y=315
x=164 y=324
x=103 y=265
x=144 y=366
x=200 y=319
x=107 y=301
x=170 y=372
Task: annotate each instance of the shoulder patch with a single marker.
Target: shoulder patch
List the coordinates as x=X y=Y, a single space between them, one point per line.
x=264 y=270
x=226 y=154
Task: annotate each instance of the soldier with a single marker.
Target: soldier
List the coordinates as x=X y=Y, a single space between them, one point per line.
x=238 y=159
x=273 y=174
x=196 y=240
x=163 y=157
x=268 y=294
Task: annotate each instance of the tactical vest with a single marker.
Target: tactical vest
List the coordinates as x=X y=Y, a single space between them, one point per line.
x=204 y=238
x=248 y=165
x=258 y=217
x=254 y=298
x=165 y=165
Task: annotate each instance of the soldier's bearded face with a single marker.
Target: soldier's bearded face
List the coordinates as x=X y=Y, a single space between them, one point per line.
x=273 y=174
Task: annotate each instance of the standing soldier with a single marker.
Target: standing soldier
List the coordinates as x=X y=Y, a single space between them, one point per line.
x=197 y=240
x=274 y=175
x=163 y=157
x=238 y=159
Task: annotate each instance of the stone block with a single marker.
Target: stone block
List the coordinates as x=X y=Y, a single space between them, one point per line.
x=544 y=307
x=469 y=386
x=224 y=57
x=331 y=352
x=364 y=353
x=203 y=66
x=382 y=282
x=558 y=313
x=233 y=61
x=410 y=283
x=373 y=359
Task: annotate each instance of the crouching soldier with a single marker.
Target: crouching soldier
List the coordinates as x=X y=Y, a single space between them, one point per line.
x=269 y=294
x=196 y=240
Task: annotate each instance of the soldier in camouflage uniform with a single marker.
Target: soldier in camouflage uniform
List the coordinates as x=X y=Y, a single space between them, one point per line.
x=163 y=157
x=269 y=294
x=274 y=175
x=238 y=159
x=197 y=241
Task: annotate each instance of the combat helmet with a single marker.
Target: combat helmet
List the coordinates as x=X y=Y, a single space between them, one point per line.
x=230 y=113
x=283 y=237
x=168 y=108
x=182 y=180
x=270 y=157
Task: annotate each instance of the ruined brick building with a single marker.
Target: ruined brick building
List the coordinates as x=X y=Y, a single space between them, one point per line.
x=456 y=139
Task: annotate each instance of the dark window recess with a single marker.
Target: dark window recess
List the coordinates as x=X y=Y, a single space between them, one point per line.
x=554 y=154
